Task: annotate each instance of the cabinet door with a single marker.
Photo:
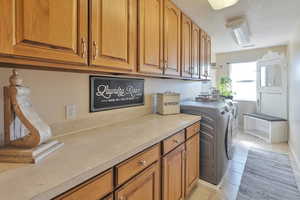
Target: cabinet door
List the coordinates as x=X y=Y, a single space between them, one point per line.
x=203 y=57
x=192 y=163
x=48 y=30
x=172 y=26
x=207 y=154
x=151 y=36
x=186 y=43
x=196 y=51
x=174 y=174
x=114 y=34
x=208 y=54
x=145 y=186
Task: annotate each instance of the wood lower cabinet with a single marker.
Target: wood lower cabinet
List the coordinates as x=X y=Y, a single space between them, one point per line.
x=186 y=46
x=94 y=189
x=145 y=186
x=195 y=52
x=150 y=28
x=167 y=170
x=192 y=163
x=113 y=34
x=174 y=174
x=109 y=198
x=47 y=30
x=172 y=39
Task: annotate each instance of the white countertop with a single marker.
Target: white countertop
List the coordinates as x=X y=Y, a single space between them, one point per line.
x=86 y=154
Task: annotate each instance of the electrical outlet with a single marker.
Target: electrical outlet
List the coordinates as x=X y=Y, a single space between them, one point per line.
x=71 y=111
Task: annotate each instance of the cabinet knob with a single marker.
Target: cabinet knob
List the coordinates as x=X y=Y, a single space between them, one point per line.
x=143 y=163
x=176 y=141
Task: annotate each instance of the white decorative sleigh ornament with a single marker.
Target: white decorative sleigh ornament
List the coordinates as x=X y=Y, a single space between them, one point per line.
x=26 y=136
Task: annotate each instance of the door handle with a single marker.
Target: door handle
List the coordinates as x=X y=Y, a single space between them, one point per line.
x=83 y=48
x=95 y=50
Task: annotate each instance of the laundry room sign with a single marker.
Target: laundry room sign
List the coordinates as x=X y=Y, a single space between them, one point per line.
x=108 y=93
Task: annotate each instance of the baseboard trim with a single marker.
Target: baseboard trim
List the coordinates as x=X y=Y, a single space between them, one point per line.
x=294 y=157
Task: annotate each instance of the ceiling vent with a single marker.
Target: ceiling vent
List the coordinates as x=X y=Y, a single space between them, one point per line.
x=240 y=31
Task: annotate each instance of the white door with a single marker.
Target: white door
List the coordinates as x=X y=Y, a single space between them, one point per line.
x=272 y=85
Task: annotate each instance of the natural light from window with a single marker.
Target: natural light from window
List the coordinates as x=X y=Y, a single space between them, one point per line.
x=243 y=76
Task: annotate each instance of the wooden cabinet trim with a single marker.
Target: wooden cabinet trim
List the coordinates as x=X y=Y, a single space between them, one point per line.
x=195 y=51
x=47 y=42
x=172 y=67
x=150 y=51
x=150 y=175
x=192 y=130
x=173 y=141
x=178 y=153
x=136 y=164
x=114 y=50
x=192 y=162
x=93 y=189
x=186 y=46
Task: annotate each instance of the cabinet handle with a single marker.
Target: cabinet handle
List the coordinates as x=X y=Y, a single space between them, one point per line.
x=143 y=163
x=95 y=50
x=176 y=141
x=166 y=63
x=84 y=48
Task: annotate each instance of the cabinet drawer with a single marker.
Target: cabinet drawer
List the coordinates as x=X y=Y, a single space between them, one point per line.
x=131 y=167
x=94 y=189
x=192 y=130
x=172 y=142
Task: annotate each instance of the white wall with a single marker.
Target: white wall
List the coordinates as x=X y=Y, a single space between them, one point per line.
x=223 y=59
x=294 y=94
x=51 y=91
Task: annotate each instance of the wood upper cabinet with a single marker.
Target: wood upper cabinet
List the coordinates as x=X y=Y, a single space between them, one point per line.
x=113 y=34
x=208 y=49
x=174 y=174
x=192 y=163
x=196 y=51
x=47 y=30
x=186 y=46
x=172 y=39
x=203 y=53
x=150 y=26
x=145 y=186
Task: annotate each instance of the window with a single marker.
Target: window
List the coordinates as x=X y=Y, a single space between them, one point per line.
x=243 y=76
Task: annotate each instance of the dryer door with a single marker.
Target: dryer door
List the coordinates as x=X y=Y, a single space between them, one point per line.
x=228 y=137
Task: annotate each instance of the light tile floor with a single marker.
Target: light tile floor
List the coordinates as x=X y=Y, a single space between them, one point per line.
x=229 y=187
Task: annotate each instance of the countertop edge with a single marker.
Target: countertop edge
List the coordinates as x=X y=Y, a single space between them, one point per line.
x=75 y=181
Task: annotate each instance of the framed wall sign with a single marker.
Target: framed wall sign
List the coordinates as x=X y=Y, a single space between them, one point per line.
x=108 y=93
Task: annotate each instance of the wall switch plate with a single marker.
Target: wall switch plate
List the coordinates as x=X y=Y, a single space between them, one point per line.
x=71 y=112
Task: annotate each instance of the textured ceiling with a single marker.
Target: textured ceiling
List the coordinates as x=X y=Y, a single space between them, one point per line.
x=271 y=22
